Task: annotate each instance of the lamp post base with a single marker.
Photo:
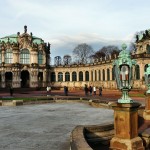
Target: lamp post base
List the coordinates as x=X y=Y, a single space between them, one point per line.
x=126 y=144
x=125 y=101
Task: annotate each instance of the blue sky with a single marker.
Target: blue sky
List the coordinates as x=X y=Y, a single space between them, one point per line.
x=67 y=23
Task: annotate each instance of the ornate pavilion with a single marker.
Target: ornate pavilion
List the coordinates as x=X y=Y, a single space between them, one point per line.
x=24 y=61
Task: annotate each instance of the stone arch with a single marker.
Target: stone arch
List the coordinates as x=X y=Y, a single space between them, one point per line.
x=103 y=75
x=8 y=79
x=74 y=76
x=60 y=76
x=86 y=76
x=137 y=72
x=80 y=76
x=108 y=74
x=25 y=78
x=67 y=76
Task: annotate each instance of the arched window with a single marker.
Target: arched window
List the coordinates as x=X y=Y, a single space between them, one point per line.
x=108 y=75
x=145 y=67
x=8 y=56
x=25 y=56
x=67 y=76
x=95 y=75
x=91 y=75
x=53 y=77
x=137 y=72
x=99 y=75
x=86 y=76
x=74 y=76
x=80 y=76
x=60 y=76
x=113 y=73
x=103 y=75
x=40 y=57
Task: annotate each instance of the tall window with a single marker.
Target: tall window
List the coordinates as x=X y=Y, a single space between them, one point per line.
x=95 y=75
x=137 y=72
x=99 y=75
x=103 y=75
x=91 y=75
x=74 y=76
x=67 y=76
x=145 y=67
x=25 y=56
x=113 y=73
x=108 y=75
x=86 y=76
x=8 y=56
x=60 y=77
x=40 y=57
x=80 y=76
x=53 y=77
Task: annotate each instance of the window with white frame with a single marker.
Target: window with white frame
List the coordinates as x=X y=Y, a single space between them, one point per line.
x=8 y=56
x=25 y=56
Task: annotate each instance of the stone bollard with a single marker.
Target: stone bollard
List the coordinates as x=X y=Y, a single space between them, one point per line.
x=17 y=102
x=146 y=113
x=126 y=127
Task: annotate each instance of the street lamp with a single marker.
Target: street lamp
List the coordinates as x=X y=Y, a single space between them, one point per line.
x=123 y=74
x=147 y=78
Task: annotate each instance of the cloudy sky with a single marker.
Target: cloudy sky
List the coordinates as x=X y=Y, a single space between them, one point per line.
x=67 y=23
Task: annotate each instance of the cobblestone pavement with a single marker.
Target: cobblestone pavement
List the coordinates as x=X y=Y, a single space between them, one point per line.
x=46 y=126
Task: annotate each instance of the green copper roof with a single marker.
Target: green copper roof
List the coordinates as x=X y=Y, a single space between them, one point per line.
x=13 y=39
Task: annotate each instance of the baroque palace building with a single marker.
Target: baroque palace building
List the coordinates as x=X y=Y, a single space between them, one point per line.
x=25 y=62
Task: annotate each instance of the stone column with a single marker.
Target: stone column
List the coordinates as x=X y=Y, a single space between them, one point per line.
x=3 y=79
x=146 y=113
x=16 y=54
x=34 y=56
x=141 y=71
x=90 y=78
x=56 y=75
x=78 y=76
x=3 y=55
x=83 y=75
x=126 y=127
x=110 y=74
x=70 y=76
x=63 y=76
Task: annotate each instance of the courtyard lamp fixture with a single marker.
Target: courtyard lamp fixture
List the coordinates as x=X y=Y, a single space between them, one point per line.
x=123 y=74
x=147 y=78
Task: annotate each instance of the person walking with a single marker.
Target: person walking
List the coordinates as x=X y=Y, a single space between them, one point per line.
x=90 y=90
x=100 y=91
x=94 y=90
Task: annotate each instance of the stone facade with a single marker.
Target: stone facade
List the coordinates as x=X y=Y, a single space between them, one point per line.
x=24 y=61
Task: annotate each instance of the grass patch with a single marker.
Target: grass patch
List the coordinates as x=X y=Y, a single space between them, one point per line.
x=28 y=99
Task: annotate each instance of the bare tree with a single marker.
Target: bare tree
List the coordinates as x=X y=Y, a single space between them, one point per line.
x=67 y=59
x=57 y=60
x=83 y=53
x=106 y=51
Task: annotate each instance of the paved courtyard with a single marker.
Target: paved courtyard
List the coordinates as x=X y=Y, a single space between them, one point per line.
x=46 y=126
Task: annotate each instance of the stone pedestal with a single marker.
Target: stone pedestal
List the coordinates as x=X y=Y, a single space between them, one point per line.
x=146 y=113
x=126 y=127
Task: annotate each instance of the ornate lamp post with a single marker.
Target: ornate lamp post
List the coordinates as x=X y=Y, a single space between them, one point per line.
x=125 y=110
x=123 y=73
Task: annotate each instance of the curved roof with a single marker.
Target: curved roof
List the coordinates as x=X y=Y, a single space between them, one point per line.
x=13 y=39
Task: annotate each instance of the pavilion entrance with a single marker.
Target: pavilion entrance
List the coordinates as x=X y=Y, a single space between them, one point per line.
x=8 y=79
x=25 y=79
